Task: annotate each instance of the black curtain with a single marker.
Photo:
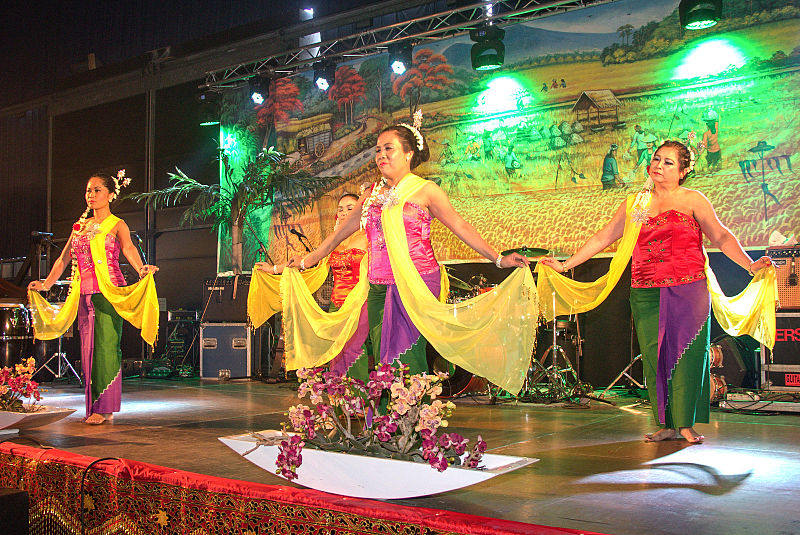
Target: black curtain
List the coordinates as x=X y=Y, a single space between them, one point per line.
x=23 y=180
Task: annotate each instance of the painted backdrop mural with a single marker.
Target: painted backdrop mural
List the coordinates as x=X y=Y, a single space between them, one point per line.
x=542 y=151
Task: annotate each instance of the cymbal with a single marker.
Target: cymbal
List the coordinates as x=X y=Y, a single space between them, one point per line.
x=527 y=251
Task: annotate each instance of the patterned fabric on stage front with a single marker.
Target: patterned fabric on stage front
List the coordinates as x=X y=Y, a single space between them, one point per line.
x=669 y=251
x=345 y=266
x=124 y=496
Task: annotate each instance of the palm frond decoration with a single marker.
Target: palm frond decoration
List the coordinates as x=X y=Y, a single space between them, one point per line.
x=266 y=180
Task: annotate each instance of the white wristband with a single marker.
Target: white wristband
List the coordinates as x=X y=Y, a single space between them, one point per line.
x=275 y=269
x=498 y=260
x=303 y=264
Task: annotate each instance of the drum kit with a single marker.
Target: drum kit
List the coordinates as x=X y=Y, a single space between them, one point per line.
x=16 y=332
x=17 y=340
x=551 y=375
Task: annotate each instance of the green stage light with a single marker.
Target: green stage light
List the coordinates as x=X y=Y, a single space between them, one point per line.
x=228 y=143
x=502 y=94
x=699 y=14
x=488 y=52
x=209 y=107
x=710 y=58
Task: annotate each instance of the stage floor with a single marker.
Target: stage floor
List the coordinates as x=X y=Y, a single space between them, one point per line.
x=595 y=473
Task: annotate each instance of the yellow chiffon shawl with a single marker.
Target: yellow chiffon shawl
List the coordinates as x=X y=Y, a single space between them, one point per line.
x=264 y=297
x=491 y=335
x=137 y=303
x=750 y=312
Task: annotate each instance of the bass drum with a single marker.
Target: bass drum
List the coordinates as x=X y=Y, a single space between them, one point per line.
x=16 y=333
x=460 y=383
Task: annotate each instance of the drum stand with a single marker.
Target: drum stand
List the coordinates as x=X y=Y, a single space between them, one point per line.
x=625 y=373
x=62 y=365
x=554 y=382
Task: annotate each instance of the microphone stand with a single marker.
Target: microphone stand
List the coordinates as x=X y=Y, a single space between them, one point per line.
x=300 y=238
x=139 y=246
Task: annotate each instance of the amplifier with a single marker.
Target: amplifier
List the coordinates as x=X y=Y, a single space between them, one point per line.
x=786 y=269
x=226 y=298
x=182 y=316
x=780 y=368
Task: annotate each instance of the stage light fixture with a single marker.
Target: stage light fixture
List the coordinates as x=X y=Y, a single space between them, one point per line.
x=488 y=52
x=208 y=109
x=324 y=74
x=699 y=14
x=259 y=89
x=400 y=57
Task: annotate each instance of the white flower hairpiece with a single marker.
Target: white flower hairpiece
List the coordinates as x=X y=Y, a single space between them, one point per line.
x=120 y=181
x=417 y=120
x=692 y=161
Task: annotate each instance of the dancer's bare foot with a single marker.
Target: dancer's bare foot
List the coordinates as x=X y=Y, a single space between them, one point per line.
x=98 y=418
x=691 y=436
x=95 y=419
x=662 y=434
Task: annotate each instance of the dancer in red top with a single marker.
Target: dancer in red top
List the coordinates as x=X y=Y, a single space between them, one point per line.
x=670 y=299
x=345 y=260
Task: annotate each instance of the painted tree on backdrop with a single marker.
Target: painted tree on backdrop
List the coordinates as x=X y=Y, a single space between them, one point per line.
x=429 y=70
x=282 y=100
x=348 y=89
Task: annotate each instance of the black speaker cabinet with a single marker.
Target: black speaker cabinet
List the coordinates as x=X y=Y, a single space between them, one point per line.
x=780 y=368
x=226 y=298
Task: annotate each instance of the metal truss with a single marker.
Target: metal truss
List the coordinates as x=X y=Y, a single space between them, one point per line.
x=442 y=25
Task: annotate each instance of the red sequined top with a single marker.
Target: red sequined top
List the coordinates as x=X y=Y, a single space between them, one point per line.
x=345 y=266
x=668 y=252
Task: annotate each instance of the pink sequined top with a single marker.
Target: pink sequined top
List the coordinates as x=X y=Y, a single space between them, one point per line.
x=418 y=231
x=668 y=252
x=82 y=251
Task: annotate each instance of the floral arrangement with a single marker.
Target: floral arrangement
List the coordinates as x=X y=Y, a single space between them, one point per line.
x=347 y=416
x=17 y=384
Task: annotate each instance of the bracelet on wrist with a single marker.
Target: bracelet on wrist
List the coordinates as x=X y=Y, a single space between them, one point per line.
x=275 y=269
x=750 y=269
x=303 y=264
x=498 y=260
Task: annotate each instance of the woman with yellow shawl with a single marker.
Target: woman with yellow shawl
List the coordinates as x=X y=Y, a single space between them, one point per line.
x=405 y=278
x=98 y=297
x=672 y=288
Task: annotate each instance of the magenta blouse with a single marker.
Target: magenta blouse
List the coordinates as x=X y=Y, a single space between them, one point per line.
x=418 y=231
x=82 y=251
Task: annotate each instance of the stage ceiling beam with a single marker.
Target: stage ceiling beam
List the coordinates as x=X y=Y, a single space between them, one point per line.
x=277 y=52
